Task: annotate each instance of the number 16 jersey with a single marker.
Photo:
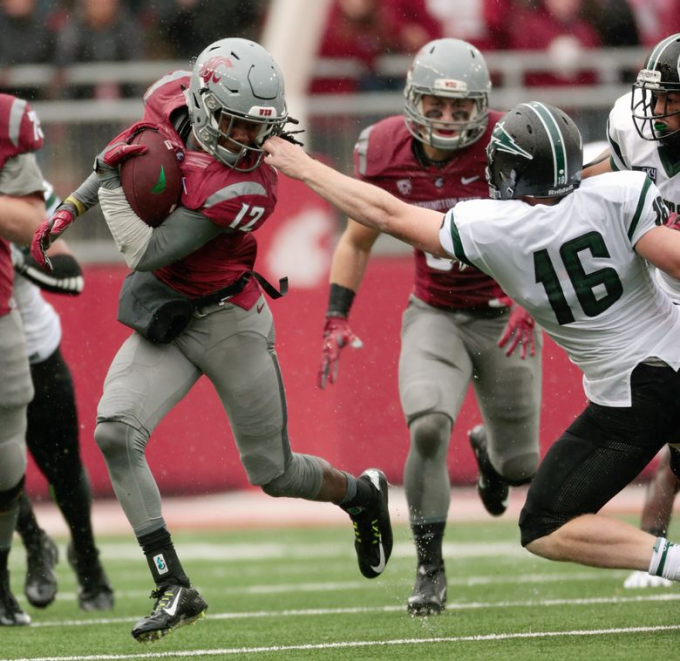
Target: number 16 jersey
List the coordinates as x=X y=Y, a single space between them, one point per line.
x=574 y=268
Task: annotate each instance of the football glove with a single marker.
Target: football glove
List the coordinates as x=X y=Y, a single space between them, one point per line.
x=336 y=336
x=518 y=331
x=673 y=221
x=51 y=229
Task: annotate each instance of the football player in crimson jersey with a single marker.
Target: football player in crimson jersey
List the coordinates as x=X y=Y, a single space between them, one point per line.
x=644 y=134
x=22 y=208
x=576 y=255
x=453 y=322
x=218 y=115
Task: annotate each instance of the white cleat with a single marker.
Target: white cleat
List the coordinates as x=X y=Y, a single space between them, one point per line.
x=641 y=579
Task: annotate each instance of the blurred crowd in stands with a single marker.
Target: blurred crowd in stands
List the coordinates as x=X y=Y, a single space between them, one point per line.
x=67 y=32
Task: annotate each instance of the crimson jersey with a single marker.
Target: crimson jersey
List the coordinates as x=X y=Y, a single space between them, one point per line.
x=237 y=201
x=19 y=133
x=384 y=156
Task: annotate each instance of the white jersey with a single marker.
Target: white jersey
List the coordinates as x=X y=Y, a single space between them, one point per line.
x=42 y=326
x=572 y=266
x=631 y=152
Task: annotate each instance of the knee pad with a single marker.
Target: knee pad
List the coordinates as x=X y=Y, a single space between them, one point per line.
x=112 y=437
x=521 y=469
x=10 y=496
x=430 y=433
x=303 y=478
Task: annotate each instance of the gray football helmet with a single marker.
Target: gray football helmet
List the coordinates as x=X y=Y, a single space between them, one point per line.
x=535 y=150
x=660 y=75
x=448 y=68
x=237 y=79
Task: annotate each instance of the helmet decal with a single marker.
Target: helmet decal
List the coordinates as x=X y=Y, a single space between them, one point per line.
x=208 y=70
x=501 y=140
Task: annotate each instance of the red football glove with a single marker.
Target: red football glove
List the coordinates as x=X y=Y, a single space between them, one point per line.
x=115 y=154
x=336 y=335
x=673 y=221
x=519 y=330
x=49 y=231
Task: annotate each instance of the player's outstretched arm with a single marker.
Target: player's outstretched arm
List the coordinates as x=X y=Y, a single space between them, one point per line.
x=369 y=205
x=661 y=247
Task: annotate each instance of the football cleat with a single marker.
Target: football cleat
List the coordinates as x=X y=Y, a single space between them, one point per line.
x=429 y=592
x=10 y=613
x=42 y=555
x=641 y=579
x=491 y=487
x=94 y=590
x=372 y=527
x=176 y=606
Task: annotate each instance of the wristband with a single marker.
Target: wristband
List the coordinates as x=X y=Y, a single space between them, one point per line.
x=340 y=301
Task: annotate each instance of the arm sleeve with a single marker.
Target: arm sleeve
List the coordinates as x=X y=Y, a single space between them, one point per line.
x=183 y=232
x=451 y=240
x=647 y=211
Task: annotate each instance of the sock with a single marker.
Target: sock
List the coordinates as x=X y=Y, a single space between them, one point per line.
x=665 y=560
x=162 y=559
x=360 y=494
x=27 y=525
x=429 y=538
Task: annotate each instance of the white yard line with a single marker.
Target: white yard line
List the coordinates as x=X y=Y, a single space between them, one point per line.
x=228 y=651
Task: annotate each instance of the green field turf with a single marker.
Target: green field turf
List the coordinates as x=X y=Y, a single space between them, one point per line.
x=298 y=594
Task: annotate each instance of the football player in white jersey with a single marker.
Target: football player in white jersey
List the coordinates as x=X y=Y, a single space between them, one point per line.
x=575 y=257
x=644 y=134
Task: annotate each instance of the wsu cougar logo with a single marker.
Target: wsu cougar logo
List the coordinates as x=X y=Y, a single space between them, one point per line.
x=208 y=71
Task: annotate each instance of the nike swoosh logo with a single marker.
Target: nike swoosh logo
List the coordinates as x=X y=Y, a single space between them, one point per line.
x=468 y=180
x=172 y=609
x=381 y=564
x=260 y=307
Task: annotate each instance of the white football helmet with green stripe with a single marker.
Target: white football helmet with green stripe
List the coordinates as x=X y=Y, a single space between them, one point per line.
x=536 y=150
x=659 y=76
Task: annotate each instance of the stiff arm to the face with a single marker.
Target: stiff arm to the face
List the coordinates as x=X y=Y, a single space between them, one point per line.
x=367 y=204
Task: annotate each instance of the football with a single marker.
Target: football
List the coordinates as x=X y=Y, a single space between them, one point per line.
x=152 y=182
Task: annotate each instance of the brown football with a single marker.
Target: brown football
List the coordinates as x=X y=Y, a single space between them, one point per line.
x=152 y=182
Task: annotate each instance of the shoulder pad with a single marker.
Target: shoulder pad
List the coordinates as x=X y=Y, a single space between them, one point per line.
x=20 y=130
x=165 y=96
x=381 y=146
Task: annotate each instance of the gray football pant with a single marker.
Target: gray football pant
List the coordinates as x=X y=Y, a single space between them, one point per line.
x=16 y=391
x=234 y=348
x=442 y=353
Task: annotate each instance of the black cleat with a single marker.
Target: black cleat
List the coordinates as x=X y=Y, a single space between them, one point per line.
x=372 y=527
x=42 y=555
x=429 y=592
x=94 y=590
x=491 y=487
x=176 y=605
x=10 y=613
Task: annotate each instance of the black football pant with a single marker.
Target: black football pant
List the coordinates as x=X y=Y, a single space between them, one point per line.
x=52 y=439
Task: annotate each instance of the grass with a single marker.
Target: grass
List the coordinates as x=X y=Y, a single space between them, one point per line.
x=298 y=594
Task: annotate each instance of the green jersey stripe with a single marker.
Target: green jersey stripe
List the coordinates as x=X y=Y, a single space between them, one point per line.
x=638 y=210
x=458 y=249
